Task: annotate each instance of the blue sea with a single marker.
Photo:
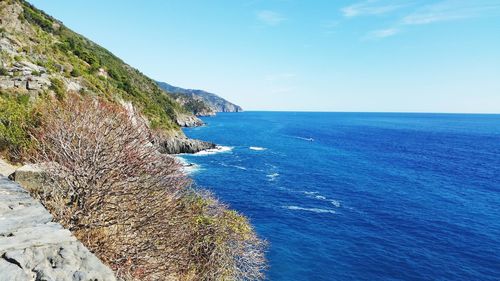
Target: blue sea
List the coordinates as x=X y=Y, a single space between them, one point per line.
x=362 y=196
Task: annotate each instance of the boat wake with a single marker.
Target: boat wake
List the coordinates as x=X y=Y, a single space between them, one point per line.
x=303 y=138
x=257 y=148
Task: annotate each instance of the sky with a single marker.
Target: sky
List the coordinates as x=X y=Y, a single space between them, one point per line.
x=297 y=55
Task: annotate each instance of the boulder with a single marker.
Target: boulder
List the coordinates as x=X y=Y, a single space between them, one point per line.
x=30 y=176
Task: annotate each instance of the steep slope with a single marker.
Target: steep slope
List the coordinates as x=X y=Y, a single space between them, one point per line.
x=215 y=102
x=39 y=57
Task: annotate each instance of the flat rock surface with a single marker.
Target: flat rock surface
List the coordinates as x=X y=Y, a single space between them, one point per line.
x=32 y=247
x=6 y=169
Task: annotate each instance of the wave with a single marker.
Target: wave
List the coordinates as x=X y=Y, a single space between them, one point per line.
x=272 y=177
x=232 y=166
x=258 y=148
x=314 y=210
x=317 y=195
x=310 y=192
x=335 y=203
x=217 y=149
x=187 y=167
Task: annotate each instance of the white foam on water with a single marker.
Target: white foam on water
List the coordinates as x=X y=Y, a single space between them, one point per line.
x=317 y=195
x=187 y=167
x=239 y=167
x=335 y=203
x=310 y=192
x=257 y=148
x=217 y=149
x=314 y=210
x=272 y=177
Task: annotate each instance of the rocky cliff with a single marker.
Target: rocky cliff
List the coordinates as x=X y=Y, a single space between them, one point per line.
x=32 y=247
x=41 y=57
x=214 y=102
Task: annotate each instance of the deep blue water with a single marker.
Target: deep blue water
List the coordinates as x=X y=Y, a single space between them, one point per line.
x=363 y=196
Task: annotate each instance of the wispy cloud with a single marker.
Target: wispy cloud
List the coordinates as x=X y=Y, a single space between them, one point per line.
x=444 y=10
x=382 y=33
x=270 y=17
x=372 y=7
x=452 y=10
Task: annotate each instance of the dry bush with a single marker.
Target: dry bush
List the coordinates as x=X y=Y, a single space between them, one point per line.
x=133 y=206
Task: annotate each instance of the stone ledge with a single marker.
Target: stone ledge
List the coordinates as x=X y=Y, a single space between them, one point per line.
x=32 y=247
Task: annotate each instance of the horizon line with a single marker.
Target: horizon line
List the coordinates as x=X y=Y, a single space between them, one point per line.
x=393 y=112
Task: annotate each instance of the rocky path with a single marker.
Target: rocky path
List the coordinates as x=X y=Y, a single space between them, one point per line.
x=32 y=247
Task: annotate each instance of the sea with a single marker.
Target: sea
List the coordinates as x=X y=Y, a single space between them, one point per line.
x=361 y=196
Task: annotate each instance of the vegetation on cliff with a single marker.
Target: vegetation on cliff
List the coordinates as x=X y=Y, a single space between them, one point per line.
x=195 y=105
x=39 y=54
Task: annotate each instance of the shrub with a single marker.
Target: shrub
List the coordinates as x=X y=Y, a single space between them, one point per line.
x=35 y=73
x=57 y=85
x=133 y=206
x=15 y=119
x=75 y=72
x=3 y=71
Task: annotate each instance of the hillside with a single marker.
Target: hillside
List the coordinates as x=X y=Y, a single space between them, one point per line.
x=195 y=104
x=39 y=56
x=213 y=101
x=90 y=137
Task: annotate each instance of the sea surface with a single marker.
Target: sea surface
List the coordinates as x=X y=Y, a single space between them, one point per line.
x=362 y=196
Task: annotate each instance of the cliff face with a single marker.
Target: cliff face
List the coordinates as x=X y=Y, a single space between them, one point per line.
x=214 y=102
x=41 y=57
x=32 y=247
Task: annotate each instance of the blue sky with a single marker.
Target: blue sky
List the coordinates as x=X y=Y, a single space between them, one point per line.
x=336 y=55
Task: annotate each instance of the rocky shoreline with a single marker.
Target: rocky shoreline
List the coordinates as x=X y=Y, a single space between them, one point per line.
x=178 y=145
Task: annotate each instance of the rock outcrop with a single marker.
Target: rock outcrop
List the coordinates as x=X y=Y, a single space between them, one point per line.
x=185 y=120
x=177 y=145
x=32 y=247
x=24 y=76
